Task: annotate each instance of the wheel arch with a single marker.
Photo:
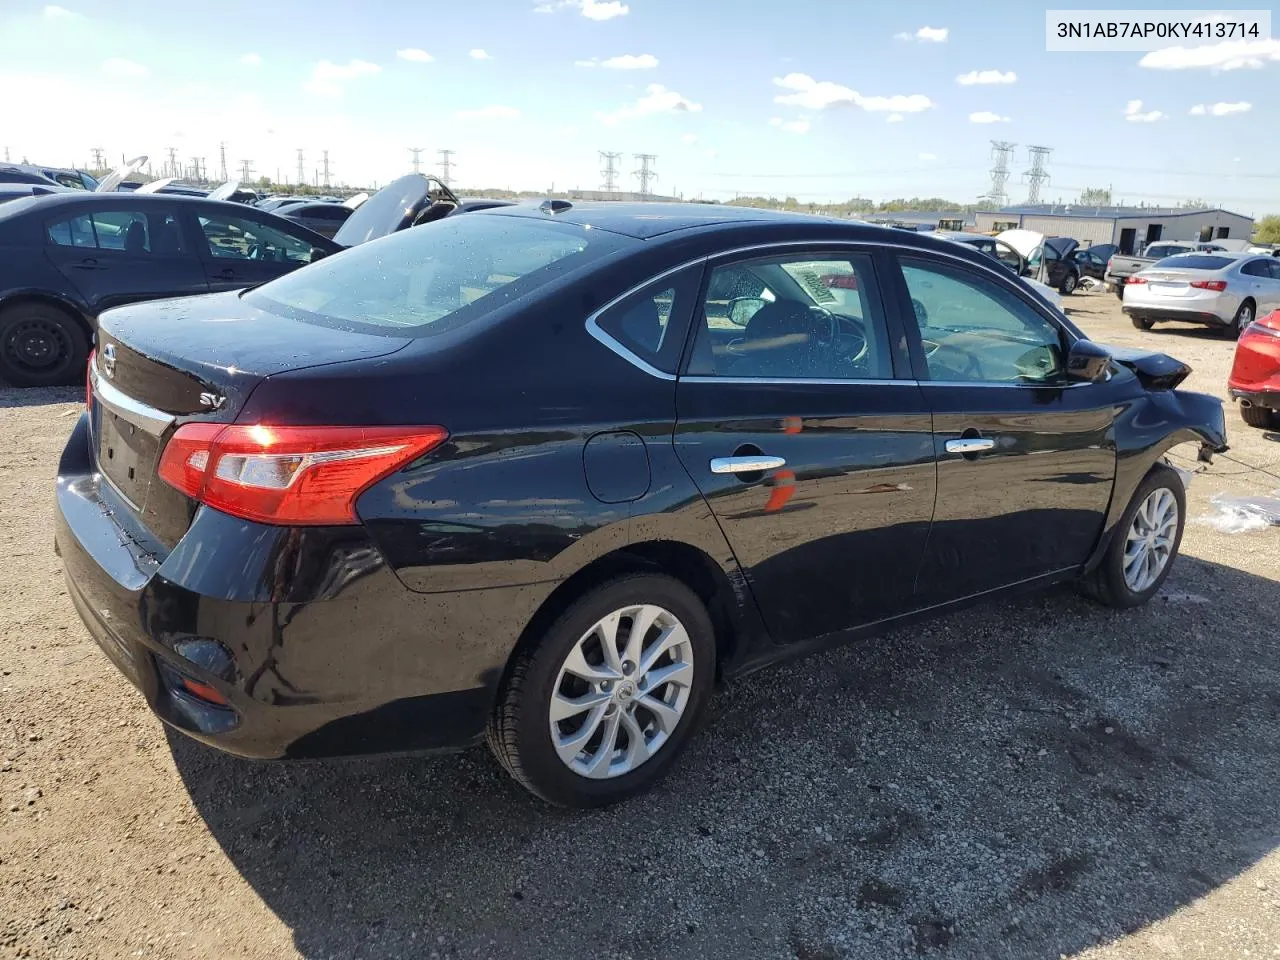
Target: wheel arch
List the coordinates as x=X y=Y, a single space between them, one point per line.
x=683 y=562
x=10 y=300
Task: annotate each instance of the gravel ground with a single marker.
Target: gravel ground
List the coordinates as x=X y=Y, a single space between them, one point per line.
x=1039 y=778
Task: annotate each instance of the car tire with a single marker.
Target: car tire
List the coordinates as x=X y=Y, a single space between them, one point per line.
x=1069 y=284
x=1116 y=581
x=1141 y=323
x=548 y=673
x=1263 y=417
x=1244 y=316
x=41 y=346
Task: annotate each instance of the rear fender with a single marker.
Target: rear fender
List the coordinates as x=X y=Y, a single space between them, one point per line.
x=1145 y=431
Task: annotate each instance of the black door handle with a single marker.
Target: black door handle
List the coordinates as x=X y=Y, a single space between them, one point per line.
x=88 y=263
x=226 y=273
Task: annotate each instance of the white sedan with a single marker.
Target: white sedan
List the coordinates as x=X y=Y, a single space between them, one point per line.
x=1222 y=290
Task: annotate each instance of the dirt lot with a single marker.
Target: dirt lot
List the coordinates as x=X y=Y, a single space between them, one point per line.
x=1035 y=779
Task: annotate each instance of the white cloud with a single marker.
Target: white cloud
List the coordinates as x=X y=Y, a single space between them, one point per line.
x=982 y=77
x=928 y=157
x=587 y=63
x=986 y=116
x=893 y=118
x=55 y=12
x=1134 y=114
x=1220 y=109
x=414 y=55
x=791 y=126
x=479 y=54
x=811 y=94
x=492 y=112
x=127 y=69
x=251 y=60
x=657 y=99
x=926 y=35
x=689 y=138
x=606 y=10
x=643 y=61
x=1228 y=55
x=327 y=78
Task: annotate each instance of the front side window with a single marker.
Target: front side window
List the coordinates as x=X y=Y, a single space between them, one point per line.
x=793 y=317
x=239 y=238
x=973 y=330
x=434 y=277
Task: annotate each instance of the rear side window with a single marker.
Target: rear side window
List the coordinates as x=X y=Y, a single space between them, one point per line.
x=437 y=276
x=652 y=322
x=1194 y=262
x=137 y=232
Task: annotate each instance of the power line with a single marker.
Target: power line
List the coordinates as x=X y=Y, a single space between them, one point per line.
x=222 y=161
x=646 y=173
x=446 y=166
x=246 y=171
x=610 y=170
x=302 y=173
x=173 y=161
x=1001 y=151
x=417 y=158
x=97 y=157
x=324 y=155
x=1037 y=175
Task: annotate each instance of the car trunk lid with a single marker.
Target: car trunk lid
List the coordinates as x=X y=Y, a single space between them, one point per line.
x=166 y=363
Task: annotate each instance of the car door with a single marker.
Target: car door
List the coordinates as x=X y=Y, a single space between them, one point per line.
x=1026 y=457
x=121 y=254
x=240 y=250
x=1261 y=283
x=1273 y=270
x=801 y=425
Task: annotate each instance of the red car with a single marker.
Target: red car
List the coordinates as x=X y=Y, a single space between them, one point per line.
x=1255 y=373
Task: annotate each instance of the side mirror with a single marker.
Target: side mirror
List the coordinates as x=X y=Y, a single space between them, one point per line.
x=317 y=254
x=1088 y=361
x=742 y=309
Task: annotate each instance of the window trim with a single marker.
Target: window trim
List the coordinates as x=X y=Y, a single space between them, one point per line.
x=621 y=349
x=885 y=251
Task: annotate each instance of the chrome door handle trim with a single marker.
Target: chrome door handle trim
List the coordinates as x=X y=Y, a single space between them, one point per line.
x=745 y=464
x=970 y=445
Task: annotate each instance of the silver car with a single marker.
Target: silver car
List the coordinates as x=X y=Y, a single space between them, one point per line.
x=1222 y=290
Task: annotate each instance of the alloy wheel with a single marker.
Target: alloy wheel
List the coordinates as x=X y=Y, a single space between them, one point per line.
x=621 y=691
x=1149 y=544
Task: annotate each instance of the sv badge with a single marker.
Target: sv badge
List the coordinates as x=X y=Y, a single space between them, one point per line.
x=212 y=400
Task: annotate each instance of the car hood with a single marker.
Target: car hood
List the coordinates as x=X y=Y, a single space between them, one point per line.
x=392 y=208
x=112 y=180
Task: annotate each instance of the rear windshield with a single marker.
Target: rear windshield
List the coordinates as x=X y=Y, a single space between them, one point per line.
x=1194 y=261
x=435 y=277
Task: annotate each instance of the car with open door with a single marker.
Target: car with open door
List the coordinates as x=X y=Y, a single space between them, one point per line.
x=547 y=474
x=1005 y=254
x=324 y=218
x=1048 y=258
x=1092 y=261
x=408 y=202
x=68 y=255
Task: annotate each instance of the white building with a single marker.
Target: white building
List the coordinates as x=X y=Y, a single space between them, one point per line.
x=1130 y=228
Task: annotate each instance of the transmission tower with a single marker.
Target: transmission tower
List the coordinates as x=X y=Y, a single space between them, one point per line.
x=97 y=158
x=6 y=154
x=646 y=173
x=302 y=175
x=195 y=169
x=1001 y=151
x=173 y=161
x=1037 y=175
x=417 y=158
x=246 y=170
x=324 y=154
x=610 y=170
x=446 y=165
x=222 y=161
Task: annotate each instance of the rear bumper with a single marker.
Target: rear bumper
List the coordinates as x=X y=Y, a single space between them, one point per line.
x=1269 y=399
x=327 y=653
x=1204 y=317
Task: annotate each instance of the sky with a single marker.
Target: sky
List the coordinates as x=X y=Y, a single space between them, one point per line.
x=816 y=99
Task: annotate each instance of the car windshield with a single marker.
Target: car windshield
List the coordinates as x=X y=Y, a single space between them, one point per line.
x=453 y=270
x=1194 y=262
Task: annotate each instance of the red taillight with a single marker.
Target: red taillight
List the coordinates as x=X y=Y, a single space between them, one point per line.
x=1218 y=285
x=288 y=475
x=1135 y=279
x=88 y=381
x=1271 y=320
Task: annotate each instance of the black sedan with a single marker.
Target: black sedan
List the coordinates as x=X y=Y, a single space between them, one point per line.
x=66 y=257
x=547 y=474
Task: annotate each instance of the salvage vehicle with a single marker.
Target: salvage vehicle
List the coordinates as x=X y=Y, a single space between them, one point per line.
x=1220 y=290
x=33 y=173
x=1122 y=266
x=1048 y=258
x=602 y=456
x=67 y=256
x=1004 y=253
x=1255 y=373
x=408 y=202
x=324 y=218
x=1092 y=261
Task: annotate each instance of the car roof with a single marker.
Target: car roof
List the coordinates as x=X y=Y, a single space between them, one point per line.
x=645 y=220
